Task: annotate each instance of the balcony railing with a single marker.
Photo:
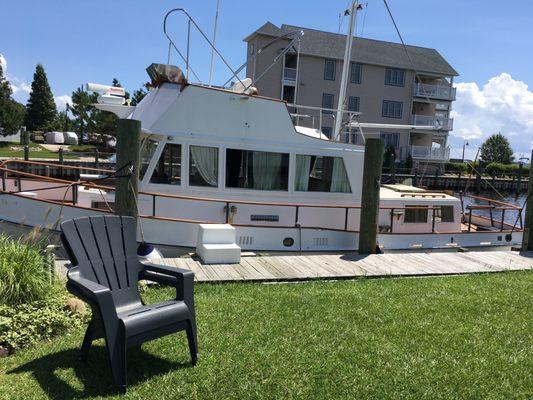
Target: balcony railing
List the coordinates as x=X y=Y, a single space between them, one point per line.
x=430 y=153
x=441 y=92
x=445 y=124
x=289 y=74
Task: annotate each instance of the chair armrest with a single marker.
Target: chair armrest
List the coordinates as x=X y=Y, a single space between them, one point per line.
x=92 y=292
x=181 y=279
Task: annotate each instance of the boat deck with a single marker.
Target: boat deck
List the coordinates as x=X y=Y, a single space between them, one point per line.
x=288 y=267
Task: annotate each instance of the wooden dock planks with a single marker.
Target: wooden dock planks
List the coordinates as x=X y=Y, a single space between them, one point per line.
x=286 y=267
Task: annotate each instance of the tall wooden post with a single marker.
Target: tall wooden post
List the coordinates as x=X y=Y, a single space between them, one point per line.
x=370 y=196
x=527 y=240
x=128 y=137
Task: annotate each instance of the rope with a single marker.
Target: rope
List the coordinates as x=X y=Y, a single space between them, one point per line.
x=138 y=211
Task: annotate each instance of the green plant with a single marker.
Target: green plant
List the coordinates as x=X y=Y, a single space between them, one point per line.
x=24 y=273
x=25 y=324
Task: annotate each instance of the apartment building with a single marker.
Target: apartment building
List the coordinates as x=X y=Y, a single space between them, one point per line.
x=383 y=87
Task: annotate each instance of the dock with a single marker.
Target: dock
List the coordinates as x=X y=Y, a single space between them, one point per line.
x=327 y=266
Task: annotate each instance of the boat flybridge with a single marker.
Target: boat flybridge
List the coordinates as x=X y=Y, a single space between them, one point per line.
x=228 y=155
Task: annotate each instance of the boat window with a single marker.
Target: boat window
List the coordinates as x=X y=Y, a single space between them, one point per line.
x=147 y=152
x=416 y=214
x=168 y=168
x=321 y=174
x=257 y=170
x=444 y=214
x=203 y=166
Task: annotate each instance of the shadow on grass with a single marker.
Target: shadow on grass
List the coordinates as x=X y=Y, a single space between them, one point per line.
x=93 y=377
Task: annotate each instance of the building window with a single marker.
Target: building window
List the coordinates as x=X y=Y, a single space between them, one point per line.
x=355 y=72
x=321 y=174
x=353 y=103
x=329 y=69
x=147 y=152
x=203 y=166
x=326 y=130
x=394 y=77
x=259 y=170
x=327 y=102
x=390 y=139
x=416 y=214
x=168 y=168
x=444 y=214
x=442 y=106
x=392 y=109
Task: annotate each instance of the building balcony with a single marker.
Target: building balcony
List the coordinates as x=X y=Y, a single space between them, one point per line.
x=439 y=92
x=430 y=153
x=441 y=123
x=289 y=75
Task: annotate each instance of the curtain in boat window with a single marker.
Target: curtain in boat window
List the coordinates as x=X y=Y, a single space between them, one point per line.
x=257 y=170
x=339 y=178
x=203 y=166
x=267 y=170
x=321 y=174
x=303 y=169
x=147 y=152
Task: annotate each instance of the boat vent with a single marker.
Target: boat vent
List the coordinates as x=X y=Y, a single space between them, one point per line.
x=320 y=241
x=246 y=240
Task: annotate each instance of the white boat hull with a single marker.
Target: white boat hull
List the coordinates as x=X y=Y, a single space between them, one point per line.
x=33 y=212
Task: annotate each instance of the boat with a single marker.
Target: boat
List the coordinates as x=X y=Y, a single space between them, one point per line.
x=227 y=155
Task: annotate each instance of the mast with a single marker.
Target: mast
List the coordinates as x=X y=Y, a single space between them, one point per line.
x=213 y=48
x=346 y=67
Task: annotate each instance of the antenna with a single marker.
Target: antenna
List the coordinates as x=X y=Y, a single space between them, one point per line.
x=213 y=48
x=346 y=66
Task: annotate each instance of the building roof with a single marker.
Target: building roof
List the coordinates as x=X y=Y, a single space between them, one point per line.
x=368 y=51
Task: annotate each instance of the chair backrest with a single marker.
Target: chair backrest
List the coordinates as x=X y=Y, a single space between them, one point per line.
x=105 y=250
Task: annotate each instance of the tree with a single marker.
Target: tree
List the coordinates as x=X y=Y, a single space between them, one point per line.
x=497 y=149
x=138 y=95
x=11 y=112
x=390 y=158
x=82 y=109
x=41 y=111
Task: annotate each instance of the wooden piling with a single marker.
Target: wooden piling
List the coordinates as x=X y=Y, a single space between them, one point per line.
x=370 y=196
x=527 y=241
x=128 y=145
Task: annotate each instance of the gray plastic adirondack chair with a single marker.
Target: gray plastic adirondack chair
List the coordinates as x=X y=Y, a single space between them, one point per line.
x=105 y=274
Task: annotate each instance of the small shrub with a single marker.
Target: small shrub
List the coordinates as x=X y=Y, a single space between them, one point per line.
x=24 y=273
x=25 y=324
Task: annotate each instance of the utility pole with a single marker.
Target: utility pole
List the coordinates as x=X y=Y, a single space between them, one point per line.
x=346 y=67
x=370 y=196
x=527 y=238
x=128 y=146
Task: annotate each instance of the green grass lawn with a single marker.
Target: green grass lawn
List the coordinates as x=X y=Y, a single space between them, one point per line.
x=465 y=337
x=7 y=152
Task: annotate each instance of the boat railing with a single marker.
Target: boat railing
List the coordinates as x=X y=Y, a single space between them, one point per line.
x=230 y=206
x=323 y=117
x=186 y=57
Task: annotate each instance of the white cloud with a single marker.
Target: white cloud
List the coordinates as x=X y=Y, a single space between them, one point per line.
x=19 y=86
x=62 y=101
x=3 y=63
x=503 y=105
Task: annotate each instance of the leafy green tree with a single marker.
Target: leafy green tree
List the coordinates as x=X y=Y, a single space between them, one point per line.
x=138 y=95
x=389 y=158
x=63 y=122
x=82 y=109
x=11 y=112
x=41 y=111
x=497 y=149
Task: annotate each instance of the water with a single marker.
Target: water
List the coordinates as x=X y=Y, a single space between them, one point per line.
x=510 y=216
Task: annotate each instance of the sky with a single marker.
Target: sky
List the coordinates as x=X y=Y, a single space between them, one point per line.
x=488 y=42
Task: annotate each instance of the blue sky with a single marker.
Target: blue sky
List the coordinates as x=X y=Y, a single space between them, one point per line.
x=81 y=41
